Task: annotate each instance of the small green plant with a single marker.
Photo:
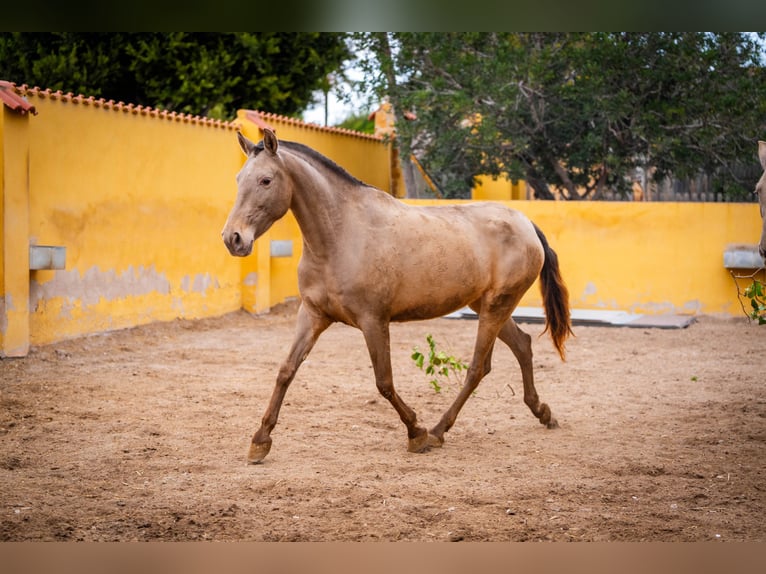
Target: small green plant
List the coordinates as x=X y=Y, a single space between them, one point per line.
x=438 y=364
x=756 y=292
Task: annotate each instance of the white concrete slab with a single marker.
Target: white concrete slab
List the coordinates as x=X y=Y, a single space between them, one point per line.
x=593 y=317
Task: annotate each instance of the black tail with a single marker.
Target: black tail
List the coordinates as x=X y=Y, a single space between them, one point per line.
x=555 y=298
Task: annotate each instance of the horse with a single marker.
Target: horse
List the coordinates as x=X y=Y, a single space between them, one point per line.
x=370 y=259
x=760 y=190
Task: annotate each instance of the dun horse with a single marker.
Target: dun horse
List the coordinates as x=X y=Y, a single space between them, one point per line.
x=760 y=189
x=369 y=259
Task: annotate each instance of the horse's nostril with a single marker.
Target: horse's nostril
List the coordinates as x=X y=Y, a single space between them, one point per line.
x=236 y=239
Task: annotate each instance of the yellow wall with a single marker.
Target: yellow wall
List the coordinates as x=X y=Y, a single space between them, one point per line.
x=640 y=257
x=363 y=156
x=139 y=198
x=14 y=230
x=498 y=189
x=644 y=257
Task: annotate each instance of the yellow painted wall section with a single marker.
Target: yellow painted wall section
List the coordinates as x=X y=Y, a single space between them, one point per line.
x=14 y=229
x=138 y=199
x=364 y=156
x=3 y=292
x=648 y=258
x=2 y=204
x=498 y=189
x=644 y=257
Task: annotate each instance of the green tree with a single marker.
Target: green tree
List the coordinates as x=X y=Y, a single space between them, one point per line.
x=358 y=122
x=205 y=73
x=574 y=110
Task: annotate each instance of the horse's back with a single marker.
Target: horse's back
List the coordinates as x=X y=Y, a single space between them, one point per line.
x=499 y=236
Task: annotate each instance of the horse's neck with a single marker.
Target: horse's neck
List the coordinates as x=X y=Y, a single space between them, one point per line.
x=317 y=205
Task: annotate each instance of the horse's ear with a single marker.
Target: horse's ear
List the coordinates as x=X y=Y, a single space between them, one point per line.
x=762 y=153
x=270 y=141
x=246 y=145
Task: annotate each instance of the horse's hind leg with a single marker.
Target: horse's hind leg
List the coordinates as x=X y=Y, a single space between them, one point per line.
x=489 y=325
x=521 y=345
x=308 y=329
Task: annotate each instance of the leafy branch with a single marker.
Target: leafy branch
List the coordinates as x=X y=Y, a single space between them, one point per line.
x=437 y=364
x=756 y=294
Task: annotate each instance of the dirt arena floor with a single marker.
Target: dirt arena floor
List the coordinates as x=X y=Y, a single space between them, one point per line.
x=142 y=434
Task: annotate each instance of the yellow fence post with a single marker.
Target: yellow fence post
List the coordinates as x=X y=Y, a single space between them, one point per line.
x=14 y=230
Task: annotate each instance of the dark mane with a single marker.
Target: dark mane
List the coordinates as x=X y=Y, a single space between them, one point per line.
x=319 y=158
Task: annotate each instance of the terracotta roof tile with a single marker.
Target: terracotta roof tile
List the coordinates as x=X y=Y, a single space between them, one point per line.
x=13 y=100
x=10 y=92
x=261 y=119
x=15 y=97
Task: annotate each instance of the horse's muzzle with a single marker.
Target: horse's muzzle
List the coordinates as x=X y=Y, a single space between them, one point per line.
x=236 y=244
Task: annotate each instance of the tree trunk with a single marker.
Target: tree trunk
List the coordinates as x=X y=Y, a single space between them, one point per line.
x=540 y=188
x=566 y=181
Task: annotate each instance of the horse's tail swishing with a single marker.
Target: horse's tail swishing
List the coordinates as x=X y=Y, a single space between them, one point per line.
x=555 y=297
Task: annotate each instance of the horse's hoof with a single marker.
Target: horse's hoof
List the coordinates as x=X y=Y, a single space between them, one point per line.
x=546 y=417
x=419 y=443
x=435 y=441
x=258 y=451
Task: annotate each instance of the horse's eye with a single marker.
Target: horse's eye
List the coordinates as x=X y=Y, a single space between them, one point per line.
x=265 y=181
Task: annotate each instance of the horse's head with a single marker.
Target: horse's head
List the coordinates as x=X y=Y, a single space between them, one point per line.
x=760 y=189
x=263 y=194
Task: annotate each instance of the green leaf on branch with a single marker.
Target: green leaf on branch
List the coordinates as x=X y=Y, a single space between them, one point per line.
x=440 y=365
x=757 y=295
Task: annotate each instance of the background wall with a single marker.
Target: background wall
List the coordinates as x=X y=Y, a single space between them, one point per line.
x=639 y=257
x=138 y=198
x=644 y=257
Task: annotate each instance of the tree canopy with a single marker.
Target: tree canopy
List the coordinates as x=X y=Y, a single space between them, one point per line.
x=577 y=111
x=201 y=73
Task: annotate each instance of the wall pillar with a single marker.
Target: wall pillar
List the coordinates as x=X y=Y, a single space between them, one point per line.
x=256 y=269
x=14 y=232
x=256 y=276
x=263 y=289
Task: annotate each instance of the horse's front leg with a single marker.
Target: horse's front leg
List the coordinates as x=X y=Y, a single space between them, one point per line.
x=376 y=335
x=308 y=329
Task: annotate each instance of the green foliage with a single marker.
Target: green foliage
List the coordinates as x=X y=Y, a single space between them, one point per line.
x=577 y=111
x=201 y=73
x=437 y=364
x=756 y=293
x=360 y=123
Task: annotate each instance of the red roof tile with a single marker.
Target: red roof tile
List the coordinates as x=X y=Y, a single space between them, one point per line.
x=13 y=96
x=13 y=100
x=261 y=119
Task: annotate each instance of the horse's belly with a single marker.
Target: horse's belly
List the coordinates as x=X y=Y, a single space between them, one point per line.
x=428 y=309
x=461 y=276
x=437 y=291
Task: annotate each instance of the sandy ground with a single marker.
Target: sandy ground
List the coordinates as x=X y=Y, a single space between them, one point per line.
x=142 y=434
